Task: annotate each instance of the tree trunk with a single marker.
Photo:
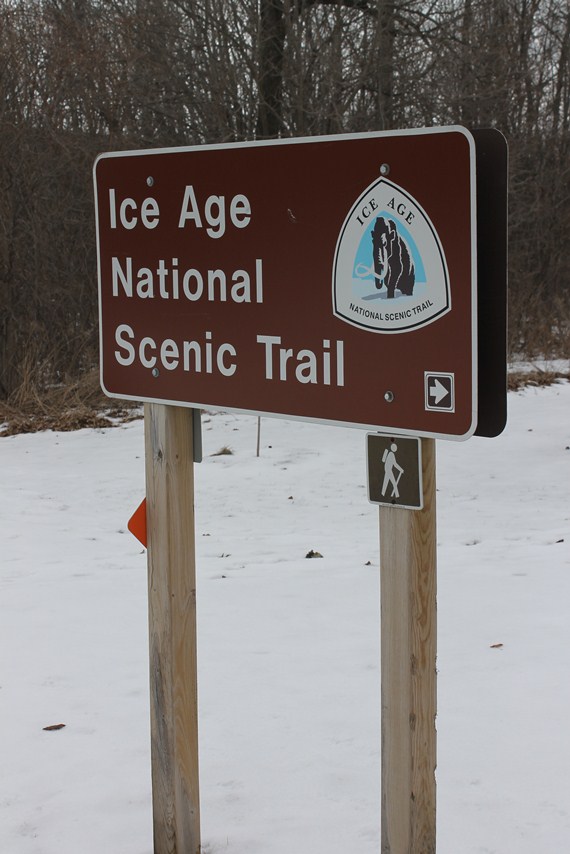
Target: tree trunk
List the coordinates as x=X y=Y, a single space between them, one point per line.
x=386 y=35
x=270 y=69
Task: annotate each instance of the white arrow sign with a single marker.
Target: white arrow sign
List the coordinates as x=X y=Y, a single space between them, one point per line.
x=438 y=391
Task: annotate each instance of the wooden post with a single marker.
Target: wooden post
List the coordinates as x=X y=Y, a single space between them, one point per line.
x=408 y=656
x=172 y=629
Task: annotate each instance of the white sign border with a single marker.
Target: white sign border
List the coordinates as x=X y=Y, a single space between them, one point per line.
x=316 y=140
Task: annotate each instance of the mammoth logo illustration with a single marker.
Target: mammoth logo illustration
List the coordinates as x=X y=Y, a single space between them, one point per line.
x=389 y=273
x=393 y=265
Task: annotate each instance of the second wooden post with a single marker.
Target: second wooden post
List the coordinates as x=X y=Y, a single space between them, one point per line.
x=172 y=629
x=408 y=671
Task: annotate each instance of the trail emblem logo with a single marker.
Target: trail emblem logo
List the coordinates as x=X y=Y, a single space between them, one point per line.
x=389 y=272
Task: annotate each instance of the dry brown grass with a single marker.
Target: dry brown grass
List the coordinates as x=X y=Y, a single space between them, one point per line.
x=522 y=379
x=70 y=406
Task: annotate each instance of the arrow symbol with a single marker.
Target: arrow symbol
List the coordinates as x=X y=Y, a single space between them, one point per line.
x=438 y=391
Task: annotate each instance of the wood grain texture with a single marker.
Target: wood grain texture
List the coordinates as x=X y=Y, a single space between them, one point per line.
x=408 y=671
x=172 y=629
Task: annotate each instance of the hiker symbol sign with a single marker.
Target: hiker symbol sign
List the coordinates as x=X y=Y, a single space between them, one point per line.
x=394 y=471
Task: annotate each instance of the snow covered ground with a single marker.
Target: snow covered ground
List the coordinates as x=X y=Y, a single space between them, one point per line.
x=288 y=647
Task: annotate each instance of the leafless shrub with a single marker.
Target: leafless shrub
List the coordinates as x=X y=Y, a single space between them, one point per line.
x=225 y=451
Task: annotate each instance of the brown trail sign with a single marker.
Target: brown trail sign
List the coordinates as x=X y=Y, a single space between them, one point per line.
x=320 y=279
x=347 y=280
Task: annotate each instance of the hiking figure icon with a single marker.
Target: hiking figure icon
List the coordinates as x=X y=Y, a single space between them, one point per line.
x=394 y=471
x=390 y=467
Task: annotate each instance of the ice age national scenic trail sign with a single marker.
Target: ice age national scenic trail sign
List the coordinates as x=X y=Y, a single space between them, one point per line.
x=330 y=278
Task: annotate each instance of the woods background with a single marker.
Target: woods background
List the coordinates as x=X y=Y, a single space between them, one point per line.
x=78 y=77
